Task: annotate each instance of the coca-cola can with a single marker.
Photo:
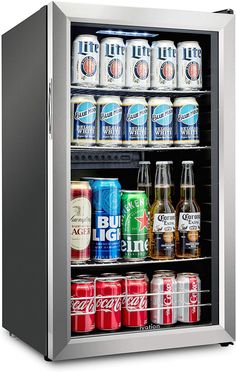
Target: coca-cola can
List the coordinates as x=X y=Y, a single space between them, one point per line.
x=81 y=214
x=134 y=302
x=189 y=297
x=82 y=306
x=140 y=274
x=86 y=276
x=108 y=304
x=164 y=298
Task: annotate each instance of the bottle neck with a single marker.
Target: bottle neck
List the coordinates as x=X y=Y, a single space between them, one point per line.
x=187 y=192
x=162 y=193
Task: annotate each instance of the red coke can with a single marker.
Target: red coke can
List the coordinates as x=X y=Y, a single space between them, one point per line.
x=134 y=303
x=108 y=304
x=81 y=212
x=82 y=306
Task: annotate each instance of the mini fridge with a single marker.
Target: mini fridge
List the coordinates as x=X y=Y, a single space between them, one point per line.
x=39 y=164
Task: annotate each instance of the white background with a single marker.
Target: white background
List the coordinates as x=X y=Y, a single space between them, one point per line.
x=14 y=355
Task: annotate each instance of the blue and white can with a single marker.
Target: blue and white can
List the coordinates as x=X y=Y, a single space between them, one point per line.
x=189 y=56
x=160 y=122
x=186 y=126
x=109 y=121
x=83 y=120
x=135 y=121
x=106 y=219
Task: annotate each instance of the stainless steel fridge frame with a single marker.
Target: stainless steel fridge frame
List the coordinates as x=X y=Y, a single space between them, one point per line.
x=60 y=345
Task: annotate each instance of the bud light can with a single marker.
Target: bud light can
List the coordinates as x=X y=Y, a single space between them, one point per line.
x=112 y=62
x=137 y=64
x=135 y=121
x=109 y=121
x=106 y=220
x=189 y=297
x=164 y=298
x=189 y=55
x=85 y=61
x=83 y=120
x=160 y=122
x=134 y=222
x=163 y=65
x=186 y=128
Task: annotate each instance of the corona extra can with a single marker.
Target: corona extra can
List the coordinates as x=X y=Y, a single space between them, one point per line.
x=85 y=61
x=189 y=65
x=163 y=65
x=137 y=64
x=112 y=62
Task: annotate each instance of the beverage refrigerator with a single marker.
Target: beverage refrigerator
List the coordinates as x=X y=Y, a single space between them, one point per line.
x=39 y=164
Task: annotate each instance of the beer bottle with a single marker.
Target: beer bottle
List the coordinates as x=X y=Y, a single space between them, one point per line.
x=162 y=224
x=144 y=182
x=187 y=216
x=170 y=179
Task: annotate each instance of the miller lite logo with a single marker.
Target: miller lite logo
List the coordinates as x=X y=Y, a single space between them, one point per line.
x=112 y=50
x=139 y=51
x=164 y=53
x=191 y=53
x=86 y=47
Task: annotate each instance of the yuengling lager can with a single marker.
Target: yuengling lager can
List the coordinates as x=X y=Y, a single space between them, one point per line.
x=134 y=222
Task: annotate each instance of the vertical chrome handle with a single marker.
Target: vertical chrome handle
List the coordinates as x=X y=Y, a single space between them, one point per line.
x=50 y=109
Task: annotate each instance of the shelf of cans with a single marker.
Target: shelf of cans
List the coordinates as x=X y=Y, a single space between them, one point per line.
x=123 y=223
x=134 y=122
x=110 y=301
x=136 y=64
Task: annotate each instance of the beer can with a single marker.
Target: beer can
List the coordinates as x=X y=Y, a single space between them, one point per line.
x=189 y=297
x=83 y=120
x=134 y=302
x=189 y=55
x=160 y=122
x=90 y=180
x=82 y=306
x=108 y=304
x=81 y=211
x=164 y=299
x=137 y=64
x=135 y=121
x=186 y=127
x=106 y=220
x=109 y=121
x=163 y=65
x=134 y=222
x=112 y=62
x=85 y=61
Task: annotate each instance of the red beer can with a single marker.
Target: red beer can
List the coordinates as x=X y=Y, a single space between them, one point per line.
x=81 y=212
x=82 y=306
x=134 y=303
x=108 y=304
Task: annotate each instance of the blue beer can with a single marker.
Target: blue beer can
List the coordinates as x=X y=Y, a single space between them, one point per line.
x=135 y=121
x=160 y=122
x=83 y=120
x=106 y=219
x=186 y=127
x=109 y=121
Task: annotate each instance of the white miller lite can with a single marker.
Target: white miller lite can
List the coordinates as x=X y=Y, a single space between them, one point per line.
x=189 y=55
x=112 y=62
x=164 y=298
x=163 y=65
x=85 y=61
x=137 y=64
x=189 y=297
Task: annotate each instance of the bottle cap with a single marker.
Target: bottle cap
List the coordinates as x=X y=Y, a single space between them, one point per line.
x=187 y=162
x=144 y=162
x=162 y=162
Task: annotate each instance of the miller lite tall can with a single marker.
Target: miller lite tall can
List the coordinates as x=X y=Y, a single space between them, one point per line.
x=189 y=65
x=85 y=61
x=137 y=64
x=112 y=62
x=163 y=65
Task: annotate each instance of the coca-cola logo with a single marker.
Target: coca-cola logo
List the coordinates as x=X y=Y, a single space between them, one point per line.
x=108 y=304
x=82 y=306
x=134 y=302
x=193 y=298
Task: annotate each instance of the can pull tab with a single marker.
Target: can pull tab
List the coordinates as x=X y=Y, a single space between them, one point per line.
x=50 y=109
